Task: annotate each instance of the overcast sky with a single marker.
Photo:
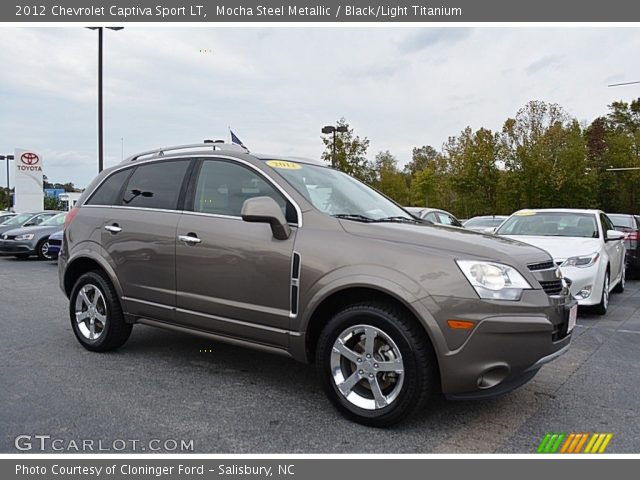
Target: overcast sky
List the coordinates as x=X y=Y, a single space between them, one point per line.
x=276 y=87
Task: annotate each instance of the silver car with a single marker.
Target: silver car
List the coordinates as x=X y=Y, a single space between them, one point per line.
x=32 y=239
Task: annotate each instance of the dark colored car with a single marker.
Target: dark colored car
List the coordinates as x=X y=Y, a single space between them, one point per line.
x=55 y=242
x=630 y=225
x=293 y=257
x=435 y=215
x=32 y=240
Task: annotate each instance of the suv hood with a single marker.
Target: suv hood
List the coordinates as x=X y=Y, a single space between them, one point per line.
x=561 y=248
x=460 y=242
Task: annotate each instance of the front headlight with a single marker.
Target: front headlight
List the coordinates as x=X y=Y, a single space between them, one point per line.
x=583 y=261
x=24 y=236
x=494 y=281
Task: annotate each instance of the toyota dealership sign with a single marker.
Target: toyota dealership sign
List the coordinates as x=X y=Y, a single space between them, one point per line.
x=29 y=196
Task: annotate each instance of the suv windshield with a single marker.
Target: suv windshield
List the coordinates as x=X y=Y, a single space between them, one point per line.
x=338 y=194
x=55 y=221
x=550 y=224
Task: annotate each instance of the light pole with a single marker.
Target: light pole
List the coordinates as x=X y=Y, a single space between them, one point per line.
x=100 y=121
x=331 y=129
x=7 y=158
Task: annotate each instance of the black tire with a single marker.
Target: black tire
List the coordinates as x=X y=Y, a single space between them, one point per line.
x=42 y=250
x=417 y=355
x=115 y=331
x=619 y=288
x=603 y=306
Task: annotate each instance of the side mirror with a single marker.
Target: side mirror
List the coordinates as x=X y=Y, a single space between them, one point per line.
x=266 y=210
x=30 y=224
x=613 y=235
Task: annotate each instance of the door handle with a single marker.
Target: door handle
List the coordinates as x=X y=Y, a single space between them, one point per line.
x=115 y=228
x=189 y=239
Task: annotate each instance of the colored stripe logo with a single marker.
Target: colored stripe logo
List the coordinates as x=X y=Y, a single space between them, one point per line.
x=574 y=443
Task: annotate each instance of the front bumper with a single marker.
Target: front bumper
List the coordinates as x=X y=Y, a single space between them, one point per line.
x=508 y=345
x=11 y=247
x=584 y=278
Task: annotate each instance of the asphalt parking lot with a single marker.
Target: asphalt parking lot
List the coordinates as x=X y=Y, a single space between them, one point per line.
x=162 y=385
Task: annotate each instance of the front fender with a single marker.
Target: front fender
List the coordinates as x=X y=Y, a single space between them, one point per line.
x=386 y=280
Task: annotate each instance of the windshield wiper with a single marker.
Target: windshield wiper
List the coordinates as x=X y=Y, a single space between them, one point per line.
x=354 y=216
x=398 y=219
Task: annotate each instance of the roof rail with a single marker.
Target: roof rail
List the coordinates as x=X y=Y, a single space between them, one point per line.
x=212 y=145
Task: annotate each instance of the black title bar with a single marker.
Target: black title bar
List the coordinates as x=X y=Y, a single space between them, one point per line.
x=102 y=11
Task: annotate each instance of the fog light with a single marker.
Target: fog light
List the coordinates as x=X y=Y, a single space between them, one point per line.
x=585 y=292
x=493 y=376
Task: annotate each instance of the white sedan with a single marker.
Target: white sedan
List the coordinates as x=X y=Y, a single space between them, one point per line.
x=584 y=243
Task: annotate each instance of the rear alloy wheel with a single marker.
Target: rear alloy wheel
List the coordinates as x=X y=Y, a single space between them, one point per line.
x=603 y=306
x=43 y=250
x=619 y=288
x=96 y=315
x=376 y=365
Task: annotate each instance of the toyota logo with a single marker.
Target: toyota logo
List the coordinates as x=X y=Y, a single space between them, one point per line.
x=29 y=158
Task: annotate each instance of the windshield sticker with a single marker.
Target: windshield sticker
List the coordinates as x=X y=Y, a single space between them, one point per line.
x=525 y=213
x=281 y=164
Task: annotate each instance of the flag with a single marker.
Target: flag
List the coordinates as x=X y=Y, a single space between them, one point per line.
x=236 y=140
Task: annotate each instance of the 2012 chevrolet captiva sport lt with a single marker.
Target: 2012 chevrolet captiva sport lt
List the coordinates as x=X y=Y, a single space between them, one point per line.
x=294 y=257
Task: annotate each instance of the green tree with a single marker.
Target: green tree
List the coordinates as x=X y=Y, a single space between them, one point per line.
x=428 y=178
x=545 y=152
x=350 y=152
x=52 y=203
x=3 y=199
x=421 y=158
x=473 y=160
x=389 y=179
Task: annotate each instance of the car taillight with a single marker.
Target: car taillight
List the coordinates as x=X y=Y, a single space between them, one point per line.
x=70 y=216
x=633 y=236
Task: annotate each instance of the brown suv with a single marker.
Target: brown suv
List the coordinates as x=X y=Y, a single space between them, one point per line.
x=293 y=257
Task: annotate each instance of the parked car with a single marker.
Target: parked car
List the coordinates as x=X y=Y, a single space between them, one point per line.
x=434 y=215
x=33 y=240
x=630 y=225
x=586 y=245
x=485 y=224
x=55 y=242
x=293 y=257
x=6 y=216
x=26 y=220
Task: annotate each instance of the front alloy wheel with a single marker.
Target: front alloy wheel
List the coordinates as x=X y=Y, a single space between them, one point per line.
x=376 y=363
x=367 y=367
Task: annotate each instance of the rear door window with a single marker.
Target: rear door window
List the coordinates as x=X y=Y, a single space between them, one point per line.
x=107 y=193
x=155 y=185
